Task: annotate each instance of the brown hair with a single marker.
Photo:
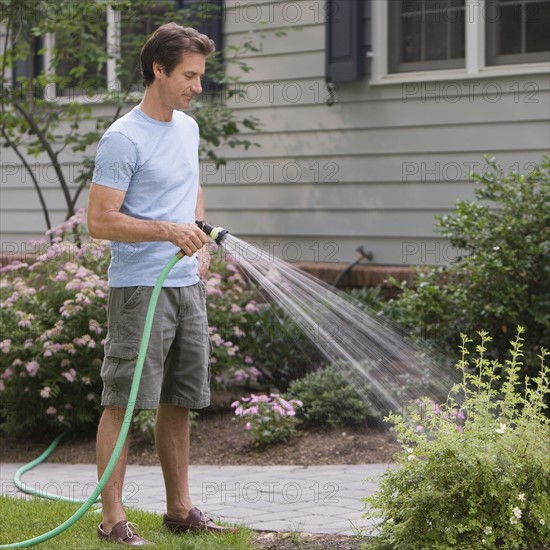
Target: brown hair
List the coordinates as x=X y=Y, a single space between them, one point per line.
x=167 y=45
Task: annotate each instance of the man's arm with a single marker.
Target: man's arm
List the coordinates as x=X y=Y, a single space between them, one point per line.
x=105 y=221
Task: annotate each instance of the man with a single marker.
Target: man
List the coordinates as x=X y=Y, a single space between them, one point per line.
x=145 y=198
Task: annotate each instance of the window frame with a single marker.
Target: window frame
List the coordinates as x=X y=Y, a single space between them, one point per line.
x=476 y=65
x=495 y=59
x=394 y=47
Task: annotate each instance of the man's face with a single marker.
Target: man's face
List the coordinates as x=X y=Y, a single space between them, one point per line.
x=177 y=90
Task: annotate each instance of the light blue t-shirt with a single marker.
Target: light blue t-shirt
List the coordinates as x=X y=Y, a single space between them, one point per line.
x=157 y=164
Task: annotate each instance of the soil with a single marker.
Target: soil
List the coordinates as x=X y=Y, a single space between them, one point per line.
x=217 y=440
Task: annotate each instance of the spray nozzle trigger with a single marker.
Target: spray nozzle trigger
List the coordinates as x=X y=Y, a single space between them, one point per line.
x=215 y=233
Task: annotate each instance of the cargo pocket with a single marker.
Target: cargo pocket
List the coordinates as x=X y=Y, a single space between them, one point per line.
x=119 y=364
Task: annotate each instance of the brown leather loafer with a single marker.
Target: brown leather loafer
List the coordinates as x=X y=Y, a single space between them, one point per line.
x=123 y=534
x=197 y=520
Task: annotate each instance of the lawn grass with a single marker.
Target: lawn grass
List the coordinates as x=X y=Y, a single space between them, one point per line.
x=24 y=519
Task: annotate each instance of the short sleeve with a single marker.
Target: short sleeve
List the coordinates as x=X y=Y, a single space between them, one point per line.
x=116 y=161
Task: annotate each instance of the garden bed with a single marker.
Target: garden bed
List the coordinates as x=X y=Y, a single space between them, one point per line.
x=218 y=440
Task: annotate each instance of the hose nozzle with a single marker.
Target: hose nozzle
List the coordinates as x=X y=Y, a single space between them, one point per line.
x=217 y=234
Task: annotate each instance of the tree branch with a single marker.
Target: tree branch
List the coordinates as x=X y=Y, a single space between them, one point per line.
x=51 y=153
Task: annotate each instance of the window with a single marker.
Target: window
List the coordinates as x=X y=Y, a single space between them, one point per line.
x=426 y=35
x=80 y=62
x=427 y=40
x=518 y=31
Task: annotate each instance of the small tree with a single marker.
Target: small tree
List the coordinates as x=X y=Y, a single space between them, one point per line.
x=54 y=50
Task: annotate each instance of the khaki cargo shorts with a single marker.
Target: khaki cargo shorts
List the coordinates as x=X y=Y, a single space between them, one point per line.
x=177 y=366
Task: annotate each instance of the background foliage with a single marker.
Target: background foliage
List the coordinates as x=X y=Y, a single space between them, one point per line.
x=502 y=278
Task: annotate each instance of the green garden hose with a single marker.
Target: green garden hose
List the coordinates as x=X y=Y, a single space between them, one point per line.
x=127 y=421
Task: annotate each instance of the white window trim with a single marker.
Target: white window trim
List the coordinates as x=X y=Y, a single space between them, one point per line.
x=475 y=52
x=113 y=48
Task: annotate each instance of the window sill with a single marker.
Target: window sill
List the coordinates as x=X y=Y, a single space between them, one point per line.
x=462 y=74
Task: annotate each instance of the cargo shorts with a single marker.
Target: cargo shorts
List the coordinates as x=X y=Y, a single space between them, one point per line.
x=177 y=365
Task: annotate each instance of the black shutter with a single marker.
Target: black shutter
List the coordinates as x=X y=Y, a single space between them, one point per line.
x=348 y=39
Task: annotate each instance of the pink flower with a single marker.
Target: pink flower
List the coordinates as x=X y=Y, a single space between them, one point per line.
x=45 y=392
x=9 y=371
x=5 y=345
x=253 y=371
x=235 y=308
x=238 y=332
x=216 y=339
x=32 y=368
x=90 y=397
x=51 y=410
x=240 y=375
x=248 y=426
x=70 y=375
x=94 y=326
x=61 y=276
x=251 y=307
x=248 y=360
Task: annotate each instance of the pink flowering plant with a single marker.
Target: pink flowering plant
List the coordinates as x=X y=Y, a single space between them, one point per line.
x=267 y=418
x=473 y=472
x=233 y=309
x=53 y=314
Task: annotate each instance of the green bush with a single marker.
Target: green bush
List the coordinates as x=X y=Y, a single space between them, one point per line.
x=281 y=349
x=503 y=276
x=475 y=472
x=329 y=399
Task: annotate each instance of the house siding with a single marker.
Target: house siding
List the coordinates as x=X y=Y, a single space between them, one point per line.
x=373 y=169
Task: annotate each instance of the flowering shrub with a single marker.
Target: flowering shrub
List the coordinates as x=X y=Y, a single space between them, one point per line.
x=475 y=472
x=53 y=313
x=232 y=310
x=268 y=419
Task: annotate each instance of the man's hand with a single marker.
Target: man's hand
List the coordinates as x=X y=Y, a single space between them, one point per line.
x=203 y=256
x=188 y=237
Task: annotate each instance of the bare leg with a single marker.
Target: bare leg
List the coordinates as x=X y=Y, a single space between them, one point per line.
x=111 y=496
x=172 y=442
